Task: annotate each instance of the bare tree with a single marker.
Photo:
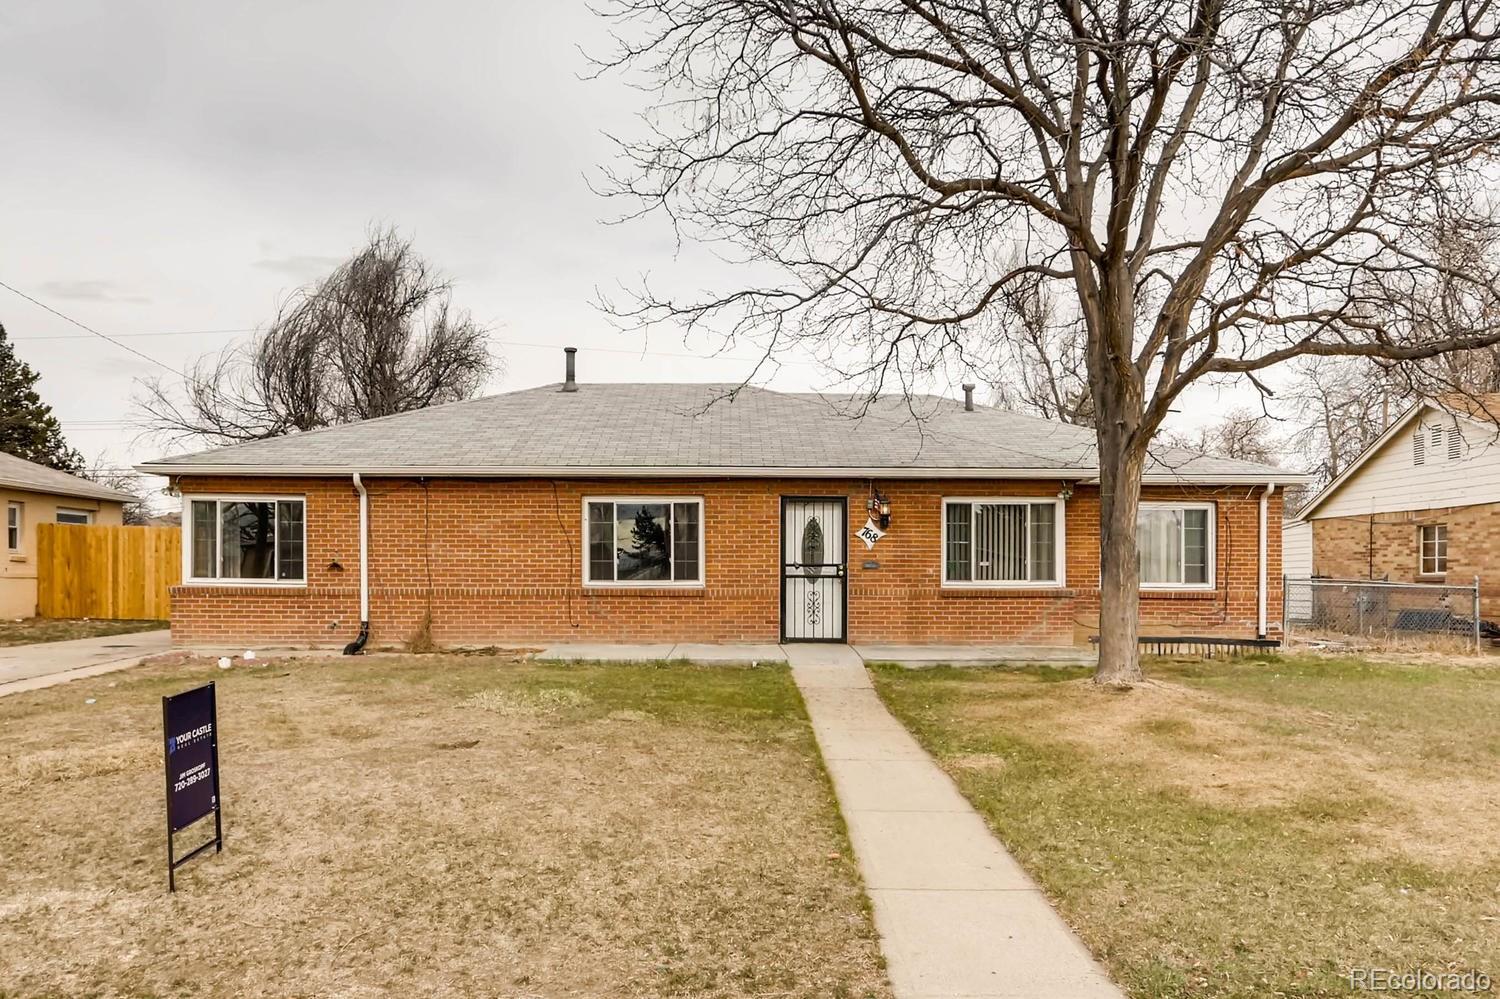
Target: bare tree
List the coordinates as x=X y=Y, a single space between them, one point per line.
x=1341 y=405
x=1214 y=186
x=1336 y=407
x=1038 y=363
x=133 y=512
x=1240 y=433
x=377 y=336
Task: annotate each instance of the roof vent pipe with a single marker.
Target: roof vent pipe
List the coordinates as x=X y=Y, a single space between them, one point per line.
x=968 y=398
x=570 y=382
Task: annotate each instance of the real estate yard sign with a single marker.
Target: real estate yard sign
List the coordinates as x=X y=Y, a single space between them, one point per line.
x=190 y=728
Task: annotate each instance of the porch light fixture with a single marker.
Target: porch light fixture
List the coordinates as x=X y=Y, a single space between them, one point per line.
x=879 y=507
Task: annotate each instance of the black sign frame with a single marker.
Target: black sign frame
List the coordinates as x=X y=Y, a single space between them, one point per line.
x=179 y=713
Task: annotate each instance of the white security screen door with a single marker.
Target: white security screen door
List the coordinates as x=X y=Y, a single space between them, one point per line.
x=814 y=568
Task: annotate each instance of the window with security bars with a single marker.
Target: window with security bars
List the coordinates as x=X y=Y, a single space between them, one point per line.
x=998 y=542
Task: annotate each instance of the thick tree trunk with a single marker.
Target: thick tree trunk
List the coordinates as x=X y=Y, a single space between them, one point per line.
x=1118 y=390
x=1120 y=470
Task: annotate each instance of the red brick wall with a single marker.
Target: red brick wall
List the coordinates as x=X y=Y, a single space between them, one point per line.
x=500 y=561
x=1230 y=608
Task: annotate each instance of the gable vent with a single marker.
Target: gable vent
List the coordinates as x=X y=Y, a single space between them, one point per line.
x=1418 y=448
x=1455 y=443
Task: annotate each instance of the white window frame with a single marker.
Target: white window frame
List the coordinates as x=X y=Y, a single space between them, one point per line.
x=15 y=510
x=1422 y=530
x=1061 y=541
x=643 y=584
x=1213 y=543
x=187 y=540
x=87 y=515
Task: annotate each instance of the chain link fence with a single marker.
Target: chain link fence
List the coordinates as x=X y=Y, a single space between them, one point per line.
x=1373 y=613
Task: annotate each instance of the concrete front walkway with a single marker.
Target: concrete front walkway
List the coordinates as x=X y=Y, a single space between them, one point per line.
x=31 y=667
x=957 y=916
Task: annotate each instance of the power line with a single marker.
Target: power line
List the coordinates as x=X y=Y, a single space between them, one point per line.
x=103 y=424
x=501 y=343
x=89 y=329
x=80 y=336
x=115 y=338
x=647 y=353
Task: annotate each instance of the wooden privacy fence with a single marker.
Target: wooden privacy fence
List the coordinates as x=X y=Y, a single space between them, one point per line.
x=106 y=572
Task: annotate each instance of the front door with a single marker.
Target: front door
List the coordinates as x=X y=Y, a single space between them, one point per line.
x=814 y=569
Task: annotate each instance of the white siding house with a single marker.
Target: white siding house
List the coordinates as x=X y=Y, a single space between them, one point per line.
x=1427 y=460
x=1296 y=549
x=1421 y=504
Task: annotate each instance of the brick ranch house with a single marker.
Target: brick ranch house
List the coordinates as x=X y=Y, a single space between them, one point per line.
x=1421 y=504
x=664 y=513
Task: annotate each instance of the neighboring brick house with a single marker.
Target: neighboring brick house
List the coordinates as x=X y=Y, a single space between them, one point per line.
x=698 y=513
x=1420 y=504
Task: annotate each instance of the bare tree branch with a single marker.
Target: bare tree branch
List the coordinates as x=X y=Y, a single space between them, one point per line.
x=377 y=336
x=1208 y=188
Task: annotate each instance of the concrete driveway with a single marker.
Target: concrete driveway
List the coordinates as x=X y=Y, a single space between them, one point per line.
x=29 y=667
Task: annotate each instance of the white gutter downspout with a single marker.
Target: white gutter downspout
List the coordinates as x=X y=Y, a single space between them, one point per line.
x=1260 y=588
x=355 y=647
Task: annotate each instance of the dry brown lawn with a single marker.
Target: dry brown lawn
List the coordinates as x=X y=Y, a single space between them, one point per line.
x=1246 y=828
x=26 y=631
x=433 y=826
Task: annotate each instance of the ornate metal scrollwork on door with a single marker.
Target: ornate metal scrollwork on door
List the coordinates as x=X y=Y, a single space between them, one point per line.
x=814 y=547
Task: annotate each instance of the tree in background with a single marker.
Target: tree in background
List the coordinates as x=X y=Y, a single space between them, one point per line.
x=1239 y=433
x=136 y=512
x=648 y=545
x=1336 y=408
x=27 y=427
x=1038 y=363
x=376 y=337
x=1213 y=187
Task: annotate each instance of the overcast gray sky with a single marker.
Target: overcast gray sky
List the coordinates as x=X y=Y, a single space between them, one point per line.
x=182 y=166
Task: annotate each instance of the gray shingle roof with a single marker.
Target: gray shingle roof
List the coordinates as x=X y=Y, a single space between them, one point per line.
x=682 y=429
x=18 y=473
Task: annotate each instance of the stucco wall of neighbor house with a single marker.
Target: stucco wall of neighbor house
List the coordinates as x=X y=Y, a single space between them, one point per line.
x=1385 y=546
x=501 y=561
x=18 y=569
